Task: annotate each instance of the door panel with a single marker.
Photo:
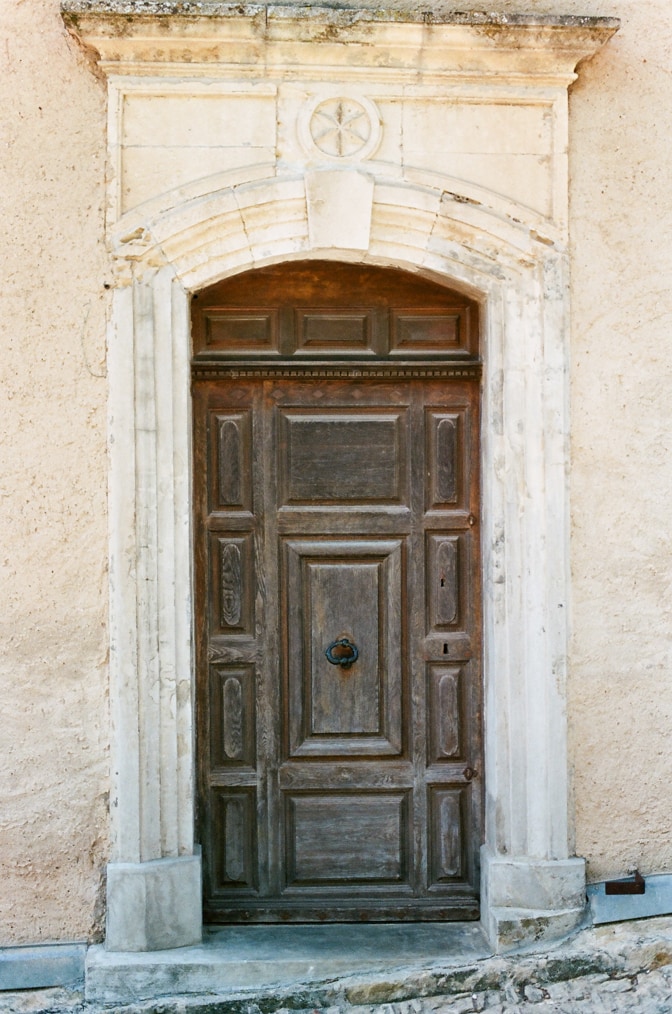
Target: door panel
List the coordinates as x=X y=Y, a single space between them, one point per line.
x=232 y=850
x=232 y=717
x=346 y=332
x=448 y=472
x=445 y=712
x=232 y=583
x=446 y=835
x=350 y=591
x=338 y=613
x=232 y=450
x=347 y=840
x=336 y=458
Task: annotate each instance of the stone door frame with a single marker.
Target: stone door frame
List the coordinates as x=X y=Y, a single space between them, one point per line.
x=516 y=265
x=526 y=859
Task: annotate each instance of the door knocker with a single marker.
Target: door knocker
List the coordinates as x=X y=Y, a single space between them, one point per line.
x=342 y=652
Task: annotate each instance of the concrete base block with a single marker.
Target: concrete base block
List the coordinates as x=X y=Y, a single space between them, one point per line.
x=155 y=905
x=528 y=900
x=41 y=966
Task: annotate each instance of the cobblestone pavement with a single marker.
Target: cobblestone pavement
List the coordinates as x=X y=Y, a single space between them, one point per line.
x=645 y=993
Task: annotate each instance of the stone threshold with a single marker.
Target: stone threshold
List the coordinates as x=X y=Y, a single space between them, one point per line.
x=606 y=952
x=272 y=959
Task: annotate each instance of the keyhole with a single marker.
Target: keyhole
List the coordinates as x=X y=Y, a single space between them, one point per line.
x=445 y=649
x=443 y=581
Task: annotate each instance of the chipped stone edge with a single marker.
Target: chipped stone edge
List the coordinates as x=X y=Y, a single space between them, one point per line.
x=219 y=9
x=604 y=952
x=364 y=990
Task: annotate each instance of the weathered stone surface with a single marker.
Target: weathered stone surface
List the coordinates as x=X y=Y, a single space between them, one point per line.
x=154 y=905
x=403 y=9
x=596 y=972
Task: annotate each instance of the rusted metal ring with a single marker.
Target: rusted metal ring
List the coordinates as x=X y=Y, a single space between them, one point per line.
x=342 y=652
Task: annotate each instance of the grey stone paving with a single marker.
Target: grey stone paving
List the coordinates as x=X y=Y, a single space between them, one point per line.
x=607 y=970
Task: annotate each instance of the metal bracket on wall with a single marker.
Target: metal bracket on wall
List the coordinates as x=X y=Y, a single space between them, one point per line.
x=635 y=886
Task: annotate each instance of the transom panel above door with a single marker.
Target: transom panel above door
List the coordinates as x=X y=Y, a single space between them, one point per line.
x=338 y=600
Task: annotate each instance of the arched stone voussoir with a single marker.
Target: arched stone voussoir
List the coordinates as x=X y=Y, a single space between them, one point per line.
x=268 y=219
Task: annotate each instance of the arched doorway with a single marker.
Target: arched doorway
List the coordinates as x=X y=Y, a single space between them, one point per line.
x=338 y=595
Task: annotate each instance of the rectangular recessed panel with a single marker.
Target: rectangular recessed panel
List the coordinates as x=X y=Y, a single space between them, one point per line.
x=320 y=332
x=238 y=331
x=231 y=443
x=345 y=636
x=350 y=838
x=339 y=457
x=446 y=834
x=344 y=601
x=419 y=331
x=444 y=712
x=447 y=480
x=443 y=581
x=234 y=846
x=232 y=716
x=232 y=583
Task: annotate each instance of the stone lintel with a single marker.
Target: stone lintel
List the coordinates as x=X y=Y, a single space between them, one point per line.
x=126 y=35
x=154 y=905
x=337 y=12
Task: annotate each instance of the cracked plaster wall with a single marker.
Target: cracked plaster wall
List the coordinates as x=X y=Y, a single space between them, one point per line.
x=53 y=825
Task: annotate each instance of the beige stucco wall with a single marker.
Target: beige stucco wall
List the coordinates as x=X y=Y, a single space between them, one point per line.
x=53 y=740
x=621 y=662
x=53 y=608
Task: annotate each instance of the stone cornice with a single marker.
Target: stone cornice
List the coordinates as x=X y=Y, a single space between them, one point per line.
x=160 y=36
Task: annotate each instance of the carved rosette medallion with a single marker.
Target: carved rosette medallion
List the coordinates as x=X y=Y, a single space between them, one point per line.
x=340 y=127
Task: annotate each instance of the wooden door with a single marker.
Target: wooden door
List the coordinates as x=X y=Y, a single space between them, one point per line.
x=338 y=600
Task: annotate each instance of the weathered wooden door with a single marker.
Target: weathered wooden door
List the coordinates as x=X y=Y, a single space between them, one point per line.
x=338 y=596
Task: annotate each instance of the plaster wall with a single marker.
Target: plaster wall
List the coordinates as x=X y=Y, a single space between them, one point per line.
x=53 y=526
x=54 y=529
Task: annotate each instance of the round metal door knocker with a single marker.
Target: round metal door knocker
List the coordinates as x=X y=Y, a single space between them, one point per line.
x=342 y=652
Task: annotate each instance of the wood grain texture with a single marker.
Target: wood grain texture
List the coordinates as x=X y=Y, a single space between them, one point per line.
x=446 y=835
x=323 y=308
x=331 y=508
x=425 y=330
x=345 y=332
x=343 y=457
x=232 y=716
x=350 y=839
x=231 y=442
x=336 y=589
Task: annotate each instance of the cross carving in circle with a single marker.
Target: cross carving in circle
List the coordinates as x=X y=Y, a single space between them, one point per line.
x=340 y=127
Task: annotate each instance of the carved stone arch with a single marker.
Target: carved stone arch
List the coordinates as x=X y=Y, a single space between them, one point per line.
x=526 y=860
x=340 y=214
